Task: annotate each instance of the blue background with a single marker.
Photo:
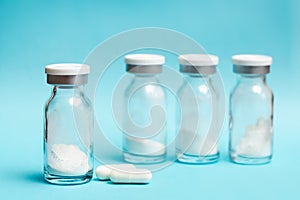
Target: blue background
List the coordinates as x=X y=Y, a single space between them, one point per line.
x=36 y=33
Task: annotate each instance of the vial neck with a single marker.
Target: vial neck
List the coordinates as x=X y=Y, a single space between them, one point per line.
x=67 y=90
x=195 y=75
x=145 y=77
x=198 y=77
x=252 y=79
x=198 y=80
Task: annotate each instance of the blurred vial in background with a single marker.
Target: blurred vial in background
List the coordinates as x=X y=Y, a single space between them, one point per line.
x=143 y=114
x=197 y=140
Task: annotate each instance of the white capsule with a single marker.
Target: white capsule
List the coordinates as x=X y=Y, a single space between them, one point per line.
x=131 y=176
x=103 y=172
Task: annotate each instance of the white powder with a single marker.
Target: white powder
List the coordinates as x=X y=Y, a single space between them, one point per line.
x=256 y=141
x=145 y=147
x=68 y=159
x=191 y=143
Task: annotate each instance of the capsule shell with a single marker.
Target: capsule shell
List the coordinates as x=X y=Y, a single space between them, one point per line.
x=131 y=176
x=103 y=172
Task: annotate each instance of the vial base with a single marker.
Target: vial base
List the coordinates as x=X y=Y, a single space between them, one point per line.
x=246 y=160
x=197 y=159
x=143 y=159
x=68 y=180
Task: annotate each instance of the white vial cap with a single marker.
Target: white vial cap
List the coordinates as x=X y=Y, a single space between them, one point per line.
x=198 y=60
x=251 y=60
x=67 y=69
x=144 y=59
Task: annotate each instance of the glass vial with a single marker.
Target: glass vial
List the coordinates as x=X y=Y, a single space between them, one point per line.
x=68 y=126
x=197 y=140
x=251 y=111
x=144 y=103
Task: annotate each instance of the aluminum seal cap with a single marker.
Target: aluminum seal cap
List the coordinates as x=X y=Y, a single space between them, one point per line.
x=144 y=63
x=251 y=64
x=198 y=63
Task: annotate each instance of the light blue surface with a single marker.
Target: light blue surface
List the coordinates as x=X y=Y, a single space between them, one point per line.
x=36 y=33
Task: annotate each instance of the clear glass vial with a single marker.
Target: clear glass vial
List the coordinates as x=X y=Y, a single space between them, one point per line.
x=251 y=111
x=197 y=140
x=143 y=121
x=68 y=126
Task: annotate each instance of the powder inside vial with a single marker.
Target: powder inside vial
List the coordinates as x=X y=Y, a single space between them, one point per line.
x=256 y=141
x=68 y=159
x=191 y=143
x=145 y=147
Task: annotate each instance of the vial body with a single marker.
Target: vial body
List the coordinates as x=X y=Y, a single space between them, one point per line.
x=68 y=141
x=251 y=120
x=197 y=140
x=144 y=129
